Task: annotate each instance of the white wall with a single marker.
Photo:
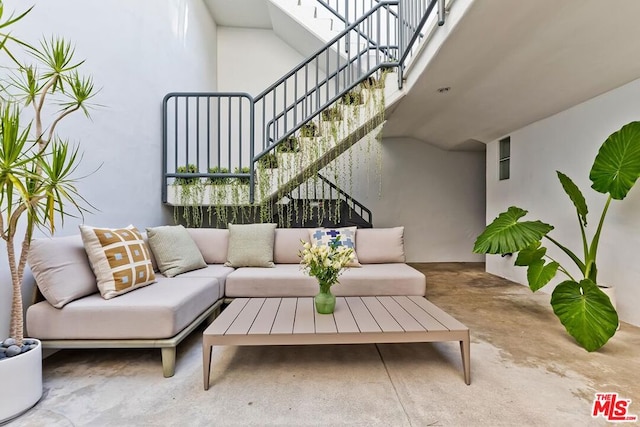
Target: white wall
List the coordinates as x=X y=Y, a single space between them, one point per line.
x=249 y=59
x=136 y=51
x=437 y=195
x=568 y=142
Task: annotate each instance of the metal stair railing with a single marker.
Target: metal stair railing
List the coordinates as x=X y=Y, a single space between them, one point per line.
x=312 y=92
x=329 y=191
x=246 y=128
x=413 y=16
x=346 y=11
x=350 y=10
x=356 y=206
x=341 y=10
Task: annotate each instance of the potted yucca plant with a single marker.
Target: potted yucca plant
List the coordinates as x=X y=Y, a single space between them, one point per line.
x=37 y=187
x=582 y=307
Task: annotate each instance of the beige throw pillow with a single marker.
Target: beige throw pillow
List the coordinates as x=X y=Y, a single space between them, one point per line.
x=174 y=250
x=213 y=243
x=61 y=269
x=251 y=245
x=380 y=245
x=119 y=257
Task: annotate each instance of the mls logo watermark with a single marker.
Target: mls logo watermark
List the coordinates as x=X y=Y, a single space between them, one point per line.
x=612 y=408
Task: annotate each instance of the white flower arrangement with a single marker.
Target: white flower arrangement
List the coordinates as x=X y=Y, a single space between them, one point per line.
x=325 y=262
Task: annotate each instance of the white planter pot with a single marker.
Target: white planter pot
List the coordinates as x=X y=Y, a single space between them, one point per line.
x=22 y=379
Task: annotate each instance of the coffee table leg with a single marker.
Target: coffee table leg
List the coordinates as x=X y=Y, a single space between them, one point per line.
x=206 y=362
x=465 y=350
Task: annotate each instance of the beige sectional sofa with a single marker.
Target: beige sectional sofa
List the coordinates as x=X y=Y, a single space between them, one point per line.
x=73 y=314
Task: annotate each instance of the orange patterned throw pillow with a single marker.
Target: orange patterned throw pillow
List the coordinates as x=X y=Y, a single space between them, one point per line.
x=119 y=257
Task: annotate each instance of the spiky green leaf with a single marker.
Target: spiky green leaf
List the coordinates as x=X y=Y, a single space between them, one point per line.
x=586 y=313
x=575 y=195
x=617 y=165
x=11 y=20
x=508 y=235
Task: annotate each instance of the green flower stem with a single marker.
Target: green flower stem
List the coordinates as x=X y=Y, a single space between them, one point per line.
x=325 y=287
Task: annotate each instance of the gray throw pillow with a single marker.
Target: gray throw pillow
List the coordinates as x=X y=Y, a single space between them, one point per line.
x=251 y=245
x=174 y=250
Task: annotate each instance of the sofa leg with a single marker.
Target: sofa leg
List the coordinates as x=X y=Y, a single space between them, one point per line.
x=168 y=361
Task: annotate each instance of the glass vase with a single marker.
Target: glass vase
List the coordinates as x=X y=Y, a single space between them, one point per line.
x=325 y=301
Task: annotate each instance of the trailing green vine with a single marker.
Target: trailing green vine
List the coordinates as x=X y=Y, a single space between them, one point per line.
x=189 y=192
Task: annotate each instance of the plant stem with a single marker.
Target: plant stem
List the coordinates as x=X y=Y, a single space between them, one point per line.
x=561 y=268
x=571 y=255
x=593 y=249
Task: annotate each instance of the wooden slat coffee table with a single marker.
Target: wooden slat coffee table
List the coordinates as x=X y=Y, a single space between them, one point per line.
x=356 y=320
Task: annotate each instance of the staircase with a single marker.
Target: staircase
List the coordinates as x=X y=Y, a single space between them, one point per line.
x=226 y=150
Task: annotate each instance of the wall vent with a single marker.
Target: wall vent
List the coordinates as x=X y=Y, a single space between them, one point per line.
x=504 y=163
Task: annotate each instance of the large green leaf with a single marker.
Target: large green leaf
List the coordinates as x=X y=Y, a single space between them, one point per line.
x=575 y=195
x=507 y=235
x=617 y=165
x=586 y=312
x=530 y=254
x=539 y=274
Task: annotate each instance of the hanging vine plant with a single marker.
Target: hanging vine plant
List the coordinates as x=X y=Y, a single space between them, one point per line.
x=309 y=130
x=217 y=195
x=289 y=145
x=332 y=114
x=189 y=192
x=353 y=97
x=268 y=161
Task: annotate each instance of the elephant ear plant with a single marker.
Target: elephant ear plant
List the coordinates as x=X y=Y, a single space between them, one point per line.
x=37 y=187
x=584 y=310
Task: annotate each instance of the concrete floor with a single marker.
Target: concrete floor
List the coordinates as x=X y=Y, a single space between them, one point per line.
x=525 y=371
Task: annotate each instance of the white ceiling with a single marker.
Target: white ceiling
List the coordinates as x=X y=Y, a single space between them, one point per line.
x=511 y=63
x=240 y=13
x=508 y=63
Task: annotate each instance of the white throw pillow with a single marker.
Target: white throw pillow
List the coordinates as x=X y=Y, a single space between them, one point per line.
x=324 y=236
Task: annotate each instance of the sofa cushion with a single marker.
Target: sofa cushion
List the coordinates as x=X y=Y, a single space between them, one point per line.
x=213 y=271
x=158 y=311
x=380 y=245
x=347 y=235
x=288 y=280
x=174 y=249
x=61 y=269
x=119 y=258
x=288 y=244
x=212 y=242
x=251 y=245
